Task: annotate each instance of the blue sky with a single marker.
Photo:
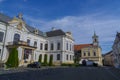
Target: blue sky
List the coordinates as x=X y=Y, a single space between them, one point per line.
x=81 y=17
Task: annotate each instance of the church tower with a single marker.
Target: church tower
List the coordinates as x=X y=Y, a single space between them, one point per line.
x=95 y=40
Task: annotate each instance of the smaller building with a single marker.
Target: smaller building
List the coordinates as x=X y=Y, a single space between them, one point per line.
x=108 y=59
x=90 y=52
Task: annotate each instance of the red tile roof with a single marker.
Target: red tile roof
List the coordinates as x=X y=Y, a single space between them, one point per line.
x=80 y=46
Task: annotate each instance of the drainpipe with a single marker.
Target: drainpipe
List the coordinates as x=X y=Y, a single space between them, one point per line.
x=4 y=43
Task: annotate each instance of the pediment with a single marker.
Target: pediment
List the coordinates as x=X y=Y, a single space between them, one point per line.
x=18 y=23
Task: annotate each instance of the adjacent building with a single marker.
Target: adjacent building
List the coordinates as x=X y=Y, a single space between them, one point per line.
x=116 y=51
x=89 y=51
x=31 y=42
x=108 y=59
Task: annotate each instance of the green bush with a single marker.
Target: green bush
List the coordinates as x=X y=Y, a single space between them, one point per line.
x=45 y=60
x=13 y=60
x=51 y=60
x=40 y=58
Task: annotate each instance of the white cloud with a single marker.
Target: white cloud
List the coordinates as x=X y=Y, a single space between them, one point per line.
x=83 y=27
x=1 y=1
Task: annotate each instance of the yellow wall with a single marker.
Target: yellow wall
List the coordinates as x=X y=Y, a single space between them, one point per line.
x=91 y=50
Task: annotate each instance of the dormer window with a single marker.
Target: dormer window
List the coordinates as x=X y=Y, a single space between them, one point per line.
x=36 y=31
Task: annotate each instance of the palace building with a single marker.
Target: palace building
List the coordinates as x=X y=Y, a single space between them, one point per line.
x=90 y=52
x=31 y=42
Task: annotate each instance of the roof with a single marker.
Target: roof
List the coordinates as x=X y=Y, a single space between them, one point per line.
x=53 y=33
x=80 y=46
x=32 y=29
x=110 y=52
x=5 y=18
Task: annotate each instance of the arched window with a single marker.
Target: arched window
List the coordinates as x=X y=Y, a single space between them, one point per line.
x=16 y=37
x=58 y=46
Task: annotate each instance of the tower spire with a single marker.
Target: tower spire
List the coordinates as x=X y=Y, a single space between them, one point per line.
x=95 y=39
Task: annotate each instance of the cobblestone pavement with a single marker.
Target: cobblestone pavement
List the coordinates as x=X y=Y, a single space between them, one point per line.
x=66 y=73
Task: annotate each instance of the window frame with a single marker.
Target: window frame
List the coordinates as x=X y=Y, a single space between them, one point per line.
x=58 y=46
x=35 y=43
x=41 y=46
x=52 y=46
x=46 y=47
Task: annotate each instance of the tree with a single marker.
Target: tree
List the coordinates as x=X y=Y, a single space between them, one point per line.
x=51 y=60
x=13 y=60
x=45 y=59
x=40 y=58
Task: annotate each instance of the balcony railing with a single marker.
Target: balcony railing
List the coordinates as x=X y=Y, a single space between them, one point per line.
x=21 y=43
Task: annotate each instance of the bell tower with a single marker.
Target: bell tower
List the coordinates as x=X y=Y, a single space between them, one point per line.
x=95 y=40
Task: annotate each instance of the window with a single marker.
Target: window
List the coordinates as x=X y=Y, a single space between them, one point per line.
x=0 y=51
x=58 y=46
x=28 y=41
x=70 y=57
x=84 y=54
x=46 y=46
x=70 y=47
x=16 y=37
x=94 y=53
x=26 y=53
x=66 y=46
x=41 y=46
x=58 y=56
x=66 y=57
x=52 y=46
x=35 y=44
x=1 y=36
x=88 y=53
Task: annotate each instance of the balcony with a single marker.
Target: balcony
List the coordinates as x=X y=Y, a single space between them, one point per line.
x=21 y=43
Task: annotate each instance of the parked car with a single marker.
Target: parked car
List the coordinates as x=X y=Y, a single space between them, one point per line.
x=89 y=63
x=81 y=61
x=34 y=65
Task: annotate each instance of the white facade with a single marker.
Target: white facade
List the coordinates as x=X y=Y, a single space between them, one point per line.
x=116 y=51
x=60 y=46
